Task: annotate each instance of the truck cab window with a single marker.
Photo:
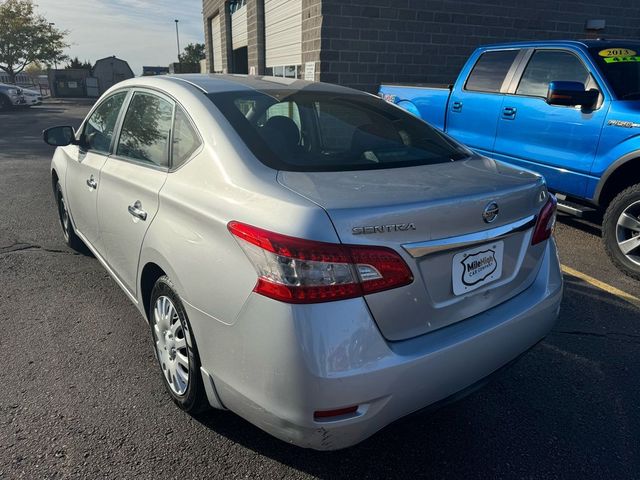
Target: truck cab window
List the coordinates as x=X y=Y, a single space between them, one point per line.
x=490 y=70
x=548 y=66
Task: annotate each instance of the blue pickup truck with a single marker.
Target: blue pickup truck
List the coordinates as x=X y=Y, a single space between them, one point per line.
x=569 y=110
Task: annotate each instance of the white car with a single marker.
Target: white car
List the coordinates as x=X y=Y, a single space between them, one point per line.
x=31 y=98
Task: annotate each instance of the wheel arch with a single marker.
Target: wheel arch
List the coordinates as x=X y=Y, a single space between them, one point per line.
x=623 y=173
x=154 y=265
x=54 y=179
x=150 y=274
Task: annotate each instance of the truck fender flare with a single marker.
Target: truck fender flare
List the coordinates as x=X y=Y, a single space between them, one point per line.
x=627 y=157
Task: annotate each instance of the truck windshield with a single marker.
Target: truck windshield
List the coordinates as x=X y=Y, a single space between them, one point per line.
x=621 y=67
x=298 y=130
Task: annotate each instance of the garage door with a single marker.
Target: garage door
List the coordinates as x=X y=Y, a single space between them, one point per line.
x=283 y=32
x=239 y=27
x=216 y=41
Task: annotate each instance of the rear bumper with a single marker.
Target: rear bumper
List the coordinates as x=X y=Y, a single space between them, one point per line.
x=279 y=363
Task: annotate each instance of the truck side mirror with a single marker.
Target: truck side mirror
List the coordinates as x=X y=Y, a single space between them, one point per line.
x=59 y=136
x=571 y=94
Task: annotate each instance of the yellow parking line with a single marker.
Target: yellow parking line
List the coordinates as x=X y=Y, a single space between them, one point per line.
x=602 y=286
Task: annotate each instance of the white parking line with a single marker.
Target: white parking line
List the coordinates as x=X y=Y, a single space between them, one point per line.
x=602 y=286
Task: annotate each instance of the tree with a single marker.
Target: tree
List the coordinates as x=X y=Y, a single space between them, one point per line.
x=36 y=68
x=193 y=53
x=76 y=63
x=26 y=37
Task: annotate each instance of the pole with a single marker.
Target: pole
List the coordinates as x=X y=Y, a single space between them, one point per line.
x=178 y=43
x=55 y=61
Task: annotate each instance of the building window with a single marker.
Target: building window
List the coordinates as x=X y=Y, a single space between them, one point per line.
x=235 y=5
x=287 y=71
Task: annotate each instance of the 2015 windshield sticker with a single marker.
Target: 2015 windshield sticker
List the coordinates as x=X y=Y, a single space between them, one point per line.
x=617 y=52
x=621 y=59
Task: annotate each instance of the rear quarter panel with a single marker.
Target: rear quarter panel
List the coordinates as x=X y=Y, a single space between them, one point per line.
x=189 y=238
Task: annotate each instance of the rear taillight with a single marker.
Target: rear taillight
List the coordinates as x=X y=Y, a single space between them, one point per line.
x=294 y=270
x=546 y=221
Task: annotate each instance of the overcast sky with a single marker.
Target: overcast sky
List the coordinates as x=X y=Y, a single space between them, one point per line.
x=142 y=32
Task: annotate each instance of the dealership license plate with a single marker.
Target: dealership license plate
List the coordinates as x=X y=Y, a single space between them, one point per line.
x=477 y=267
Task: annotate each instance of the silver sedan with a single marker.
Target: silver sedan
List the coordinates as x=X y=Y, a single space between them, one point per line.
x=307 y=256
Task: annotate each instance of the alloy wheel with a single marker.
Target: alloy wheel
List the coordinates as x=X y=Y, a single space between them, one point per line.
x=628 y=232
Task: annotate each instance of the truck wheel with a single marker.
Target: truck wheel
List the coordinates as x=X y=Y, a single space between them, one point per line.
x=621 y=231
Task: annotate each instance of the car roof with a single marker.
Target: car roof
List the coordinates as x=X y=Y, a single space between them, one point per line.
x=216 y=83
x=586 y=43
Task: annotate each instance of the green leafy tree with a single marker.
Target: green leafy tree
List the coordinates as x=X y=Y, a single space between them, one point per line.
x=76 y=63
x=193 y=53
x=26 y=37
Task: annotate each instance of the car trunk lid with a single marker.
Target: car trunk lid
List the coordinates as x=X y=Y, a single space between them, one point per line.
x=433 y=217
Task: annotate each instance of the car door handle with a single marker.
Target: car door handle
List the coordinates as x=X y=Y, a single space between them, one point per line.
x=509 y=112
x=456 y=106
x=136 y=210
x=91 y=183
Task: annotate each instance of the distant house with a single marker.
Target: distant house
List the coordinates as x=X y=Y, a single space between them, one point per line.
x=109 y=71
x=150 y=71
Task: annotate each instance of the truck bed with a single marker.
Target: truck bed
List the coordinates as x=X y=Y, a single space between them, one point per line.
x=428 y=101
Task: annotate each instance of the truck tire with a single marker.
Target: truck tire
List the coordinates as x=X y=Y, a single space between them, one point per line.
x=621 y=231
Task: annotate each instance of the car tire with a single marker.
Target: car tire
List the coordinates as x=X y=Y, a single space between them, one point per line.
x=175 y=348
x=621 y=224
x=68 y=232
x=5 y=103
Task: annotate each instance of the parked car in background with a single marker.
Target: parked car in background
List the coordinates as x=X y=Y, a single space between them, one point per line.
x=10 y=96
x=307 y=256
x=569 y=110
x=31 y=97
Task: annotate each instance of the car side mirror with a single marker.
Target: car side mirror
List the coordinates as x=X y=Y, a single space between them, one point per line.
x=59 y=136
x=571 y=94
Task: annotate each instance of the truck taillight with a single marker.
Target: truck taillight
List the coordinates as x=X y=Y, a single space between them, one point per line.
x=546 y=221
x=295 y=270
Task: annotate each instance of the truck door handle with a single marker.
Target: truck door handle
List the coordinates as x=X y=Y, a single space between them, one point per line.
x=136 y=210
x=509 y=112
x=91 y=183
x=456 y=107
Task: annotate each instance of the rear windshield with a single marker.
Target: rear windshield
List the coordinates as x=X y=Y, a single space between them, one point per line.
x=323 y=131
x=621 y=67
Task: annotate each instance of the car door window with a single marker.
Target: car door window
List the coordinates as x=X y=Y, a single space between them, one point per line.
x=548 y=66
x=98 y=131
x=490 y=71
x=185 y=139
x=146 y=130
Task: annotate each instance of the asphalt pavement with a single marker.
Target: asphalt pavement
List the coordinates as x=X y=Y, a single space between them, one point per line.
x=81 y=396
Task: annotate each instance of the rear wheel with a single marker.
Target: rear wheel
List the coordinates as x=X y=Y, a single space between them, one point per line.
x=621 y=231
x=175 y=348
x=68 y=232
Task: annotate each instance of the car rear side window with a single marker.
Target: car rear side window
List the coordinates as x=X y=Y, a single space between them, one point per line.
x=185 y=139
x=146 y=129
x=548 y=66
x=98 y=130
x=490 y=71
x=329 y=131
